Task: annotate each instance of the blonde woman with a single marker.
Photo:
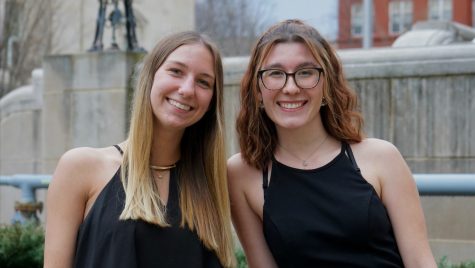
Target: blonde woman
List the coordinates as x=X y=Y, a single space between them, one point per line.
x=158 y=199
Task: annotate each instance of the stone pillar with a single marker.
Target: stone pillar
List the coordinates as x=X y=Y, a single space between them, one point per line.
x=85 y=101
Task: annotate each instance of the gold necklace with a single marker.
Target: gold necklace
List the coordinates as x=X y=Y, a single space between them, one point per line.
x=161 y=169
x=305 y=161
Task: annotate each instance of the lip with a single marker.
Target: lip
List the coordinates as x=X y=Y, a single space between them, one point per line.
x=291 y=106
x=183 y=107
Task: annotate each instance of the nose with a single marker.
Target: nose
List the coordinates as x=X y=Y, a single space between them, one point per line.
x=290 y=86
x=187 y=87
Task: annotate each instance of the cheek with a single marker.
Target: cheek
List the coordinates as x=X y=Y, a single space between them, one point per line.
x=154 y=95
x=206 y=97
x=266 y=96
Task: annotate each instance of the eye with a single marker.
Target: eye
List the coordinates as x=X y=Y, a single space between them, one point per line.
x=204 y=84
x=306 y=72
x=274 y=73
x=175 y=71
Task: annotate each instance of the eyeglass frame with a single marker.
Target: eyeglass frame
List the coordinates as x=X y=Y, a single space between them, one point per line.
x=319 y=69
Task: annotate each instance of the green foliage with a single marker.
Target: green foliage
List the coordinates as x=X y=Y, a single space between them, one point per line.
x=241 y=258
x=445 y=263
x=21 y=246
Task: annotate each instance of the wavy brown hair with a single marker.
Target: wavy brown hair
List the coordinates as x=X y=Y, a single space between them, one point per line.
x=202 y=181
x=341 y=118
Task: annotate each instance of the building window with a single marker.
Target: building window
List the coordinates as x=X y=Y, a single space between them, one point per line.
x=357 y=19
x=440 y=10
x=400 y=16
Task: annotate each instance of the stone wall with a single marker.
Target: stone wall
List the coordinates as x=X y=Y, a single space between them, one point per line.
x=80 y=100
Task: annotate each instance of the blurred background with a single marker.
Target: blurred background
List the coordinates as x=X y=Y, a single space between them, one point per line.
x=411 y=62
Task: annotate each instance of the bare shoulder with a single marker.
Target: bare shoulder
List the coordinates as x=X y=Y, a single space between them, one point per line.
x=379 y=162
x=243 y=178
x=81 y=157
x=82 y=166
x=376 y=149
x=239 y=169
x=236 y=162
x=86 y=158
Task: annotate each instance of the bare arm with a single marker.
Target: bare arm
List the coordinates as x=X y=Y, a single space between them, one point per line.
x=400 y=196
x=247 y=201
x=66 y=202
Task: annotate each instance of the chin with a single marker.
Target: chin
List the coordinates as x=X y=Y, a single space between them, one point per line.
x=290 y=125
x=175 y=125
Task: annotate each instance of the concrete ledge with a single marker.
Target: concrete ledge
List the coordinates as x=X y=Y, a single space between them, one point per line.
x=409 y=62
x=387 y=62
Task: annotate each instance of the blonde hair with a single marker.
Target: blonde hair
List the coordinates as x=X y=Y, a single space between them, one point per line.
x=204 y=202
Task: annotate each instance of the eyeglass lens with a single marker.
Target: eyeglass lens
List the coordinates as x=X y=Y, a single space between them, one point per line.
x=305 y=78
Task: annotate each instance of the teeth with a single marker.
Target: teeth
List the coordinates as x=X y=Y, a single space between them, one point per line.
x=179 y=105
x=291 y=105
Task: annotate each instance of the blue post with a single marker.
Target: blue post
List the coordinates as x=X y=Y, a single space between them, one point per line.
x=26 y=208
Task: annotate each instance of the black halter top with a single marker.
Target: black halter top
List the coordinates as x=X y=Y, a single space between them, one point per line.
x=104 y=241
x=327 y=217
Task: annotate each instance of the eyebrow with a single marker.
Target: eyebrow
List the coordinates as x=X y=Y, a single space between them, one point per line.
x=186 y=66
x=301 y=65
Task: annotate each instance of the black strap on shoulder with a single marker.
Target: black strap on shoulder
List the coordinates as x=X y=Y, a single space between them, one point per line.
x=265 y=181
x=119 y=149
x=350 y=155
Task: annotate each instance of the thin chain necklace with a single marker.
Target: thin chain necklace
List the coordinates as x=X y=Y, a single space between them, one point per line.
x=305 y=161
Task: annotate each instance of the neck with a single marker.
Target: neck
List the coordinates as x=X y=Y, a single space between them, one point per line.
x=302 y=139
x=165 y=147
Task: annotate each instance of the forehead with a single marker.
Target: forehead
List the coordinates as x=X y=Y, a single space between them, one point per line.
x=289 y=53
x=195 y=55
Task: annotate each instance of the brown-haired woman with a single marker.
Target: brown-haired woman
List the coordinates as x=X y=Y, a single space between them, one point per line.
x=307 y=189
x=158 y=199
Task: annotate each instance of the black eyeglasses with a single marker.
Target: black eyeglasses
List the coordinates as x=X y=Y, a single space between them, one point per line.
x=275 y=79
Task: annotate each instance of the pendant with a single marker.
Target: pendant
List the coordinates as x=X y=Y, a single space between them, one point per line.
x=160 y=175
x=304 y=163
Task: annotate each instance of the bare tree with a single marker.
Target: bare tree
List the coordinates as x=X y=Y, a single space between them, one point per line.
x=233 y=24
x=26 y=38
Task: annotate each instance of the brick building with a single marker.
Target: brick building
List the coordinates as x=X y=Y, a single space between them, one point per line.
x=393 y=17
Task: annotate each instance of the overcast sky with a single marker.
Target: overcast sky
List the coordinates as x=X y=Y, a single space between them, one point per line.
x=322 y=14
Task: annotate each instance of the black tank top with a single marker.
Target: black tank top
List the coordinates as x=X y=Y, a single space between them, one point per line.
x=104 y=241
x=327 y=217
